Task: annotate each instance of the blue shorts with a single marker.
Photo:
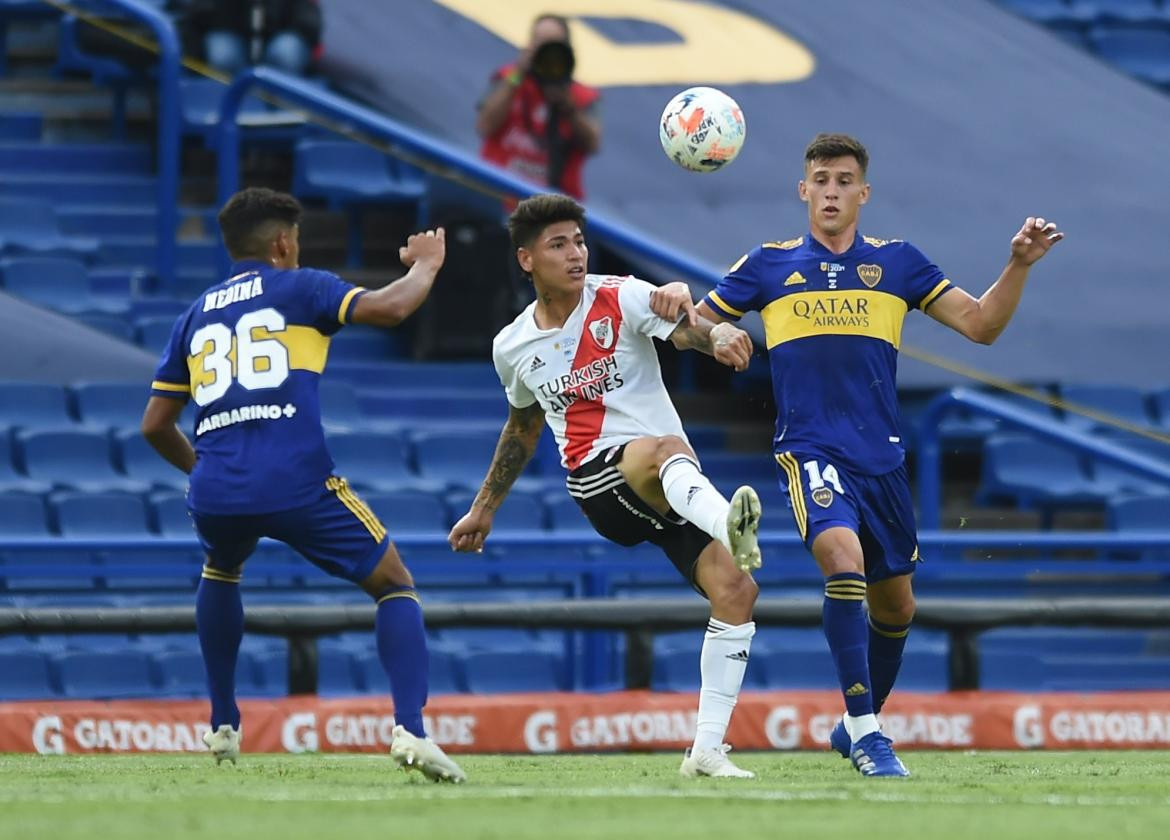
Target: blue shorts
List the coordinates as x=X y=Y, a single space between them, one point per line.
x=878 y=508
x=337 y=533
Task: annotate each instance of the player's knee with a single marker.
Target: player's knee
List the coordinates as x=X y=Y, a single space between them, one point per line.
x=734 y=595
x=836 y=558
x=898 y=610
x=669 y=445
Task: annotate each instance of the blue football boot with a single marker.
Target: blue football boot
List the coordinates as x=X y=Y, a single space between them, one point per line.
x=873 y=755
x=839 y=739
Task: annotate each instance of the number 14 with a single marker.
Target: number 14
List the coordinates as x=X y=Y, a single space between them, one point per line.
x=819 y=478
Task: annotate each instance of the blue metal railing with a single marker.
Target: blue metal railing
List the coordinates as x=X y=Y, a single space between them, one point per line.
x=348 y=116
x=929 y=449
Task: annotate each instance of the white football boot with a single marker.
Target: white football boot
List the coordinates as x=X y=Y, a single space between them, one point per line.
x=713 y=763
x=743 y=523
x=422 y=754
x=224 y=743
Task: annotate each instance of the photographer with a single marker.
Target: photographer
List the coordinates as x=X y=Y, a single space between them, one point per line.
x=537 y=121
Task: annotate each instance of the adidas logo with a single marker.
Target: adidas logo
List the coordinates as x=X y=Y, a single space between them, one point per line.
x=742 y=656
x=856 y=690
x=691 y=493
x=794 y=279
x=537 y=364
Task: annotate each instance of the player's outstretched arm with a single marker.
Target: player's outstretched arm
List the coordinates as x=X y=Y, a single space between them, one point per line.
x=983 y=320
x=517 y=443
x=390 y=305
x=160 y=427
x=729 y=344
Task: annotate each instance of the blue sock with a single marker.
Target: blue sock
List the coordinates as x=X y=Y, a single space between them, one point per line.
x=219 y=620
x=402 y=647
x=886 y=643
x=845 y=629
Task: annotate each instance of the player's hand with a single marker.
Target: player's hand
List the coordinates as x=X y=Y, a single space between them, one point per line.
x=428 y=246
x=471 y=531
x=1034 y=240
x=731 y=345
x=669 y=302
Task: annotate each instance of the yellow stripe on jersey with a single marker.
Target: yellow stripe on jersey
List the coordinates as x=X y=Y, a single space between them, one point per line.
x=345 y=301
x=356 y=506
x=157 y=385
x=730 y=310
x=795 y=491
x=844 y=312
x=738 y=263
x=934 y=293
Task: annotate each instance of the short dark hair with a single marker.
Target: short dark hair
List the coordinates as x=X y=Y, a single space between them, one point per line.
x=533 y=215
x=249 y=220
x=829 y=146
x=561 y=19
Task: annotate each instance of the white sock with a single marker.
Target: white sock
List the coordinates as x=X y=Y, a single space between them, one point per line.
x=722 y=664
x=693 y=497
x=860 y=726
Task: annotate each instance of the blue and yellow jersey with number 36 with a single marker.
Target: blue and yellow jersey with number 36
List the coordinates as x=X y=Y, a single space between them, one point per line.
x=250 y=352
x=833 y=325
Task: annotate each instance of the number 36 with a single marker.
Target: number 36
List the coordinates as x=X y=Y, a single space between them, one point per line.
x=247 y=369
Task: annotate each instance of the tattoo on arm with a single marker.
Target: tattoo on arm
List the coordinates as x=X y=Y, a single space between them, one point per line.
x=515 y=448
x=698 y=337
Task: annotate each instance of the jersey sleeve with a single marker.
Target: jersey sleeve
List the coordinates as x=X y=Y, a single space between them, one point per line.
x=634 y=298
x=519 y=396
x=925 y=282
x=331 y=299
x=739 y=290
x=172 y=377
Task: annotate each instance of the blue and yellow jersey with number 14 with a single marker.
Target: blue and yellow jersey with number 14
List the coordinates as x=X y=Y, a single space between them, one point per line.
x=833 y=325
x=250 y=352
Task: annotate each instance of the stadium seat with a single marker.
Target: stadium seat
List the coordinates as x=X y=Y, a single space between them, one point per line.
x=1034 y=473
x=199 y=104
x=58 y=283
x=457 y=459
x=336 y=675
x=350 y=175
x=138 y=459
x=77 y=458
x=23 y=515
x=30 y=226
x=1120 y=11
x=1128 y=404
x=100 y=514
x=181 y=673
x=33 y=404
x=520 y=512
x=154 y=332
x=26 y=676
x=1141 y=51
x=108 y=323
x=106 y=675
x=358 y=343
x=516 y=670
x=565 y=515
x=340 y=409
x=409 y=511
x=114 y=404
x=1139 y=513
x=729 y=470
x=170 y=514
x=371 y=459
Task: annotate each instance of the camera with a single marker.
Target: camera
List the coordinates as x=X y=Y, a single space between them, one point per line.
x=552 y=63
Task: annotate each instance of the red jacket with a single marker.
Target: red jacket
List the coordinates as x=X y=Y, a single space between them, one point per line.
x=519 y=144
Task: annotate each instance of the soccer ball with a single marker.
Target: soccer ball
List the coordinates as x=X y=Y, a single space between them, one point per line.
x=702 y=129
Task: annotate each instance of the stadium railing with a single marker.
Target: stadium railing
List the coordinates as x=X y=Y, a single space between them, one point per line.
x=640 y=619
x=929 y=447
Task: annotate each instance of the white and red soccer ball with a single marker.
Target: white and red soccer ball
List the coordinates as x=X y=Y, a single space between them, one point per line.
x=702 y=129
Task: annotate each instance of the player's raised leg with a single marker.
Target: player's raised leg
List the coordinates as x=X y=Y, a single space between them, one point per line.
x=722 y=661
x=665 y=473
x=402 y=648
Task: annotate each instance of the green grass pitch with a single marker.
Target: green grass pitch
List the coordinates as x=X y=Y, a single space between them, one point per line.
x=990 y=796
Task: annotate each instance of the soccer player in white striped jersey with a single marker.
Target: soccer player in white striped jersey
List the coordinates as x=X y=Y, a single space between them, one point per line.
x=581 y=357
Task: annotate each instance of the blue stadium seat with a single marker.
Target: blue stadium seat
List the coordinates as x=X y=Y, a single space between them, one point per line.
x=30 y=226
x=110 y=403
x=358 y=343
x=12 y=481
x=108 y=323
x=33 y=404
x=106 y=675
x=445 y=673
x=78 y=458
x=520 y=512
x=1034 y=473
x=371 y=459
x=199 y=104
x=1139 y=50
x=141 y=462
x=1139 y=513
x=1118 y=401
x=336 y=674
x=26 y=676
x=729 y=470
x=408 y=511
x=170 y=514
x=99 y=514
x=269 y=669
x=340 y=409
x=1121 y=11
x=516 y=670
x=154 y=332
x=458 y=459
x=181 y=673
x=350 y=175
x=23 y=515
x=565 y=515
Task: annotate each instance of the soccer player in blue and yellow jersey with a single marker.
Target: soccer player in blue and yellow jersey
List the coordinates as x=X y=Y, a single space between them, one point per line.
x=250 y=352
x=832 y=303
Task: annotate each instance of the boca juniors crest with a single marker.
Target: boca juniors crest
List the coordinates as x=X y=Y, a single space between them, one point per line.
x=602 y=332
x=870 y=275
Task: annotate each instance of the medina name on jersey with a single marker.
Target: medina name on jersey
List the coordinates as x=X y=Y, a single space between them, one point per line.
x=596 y=377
